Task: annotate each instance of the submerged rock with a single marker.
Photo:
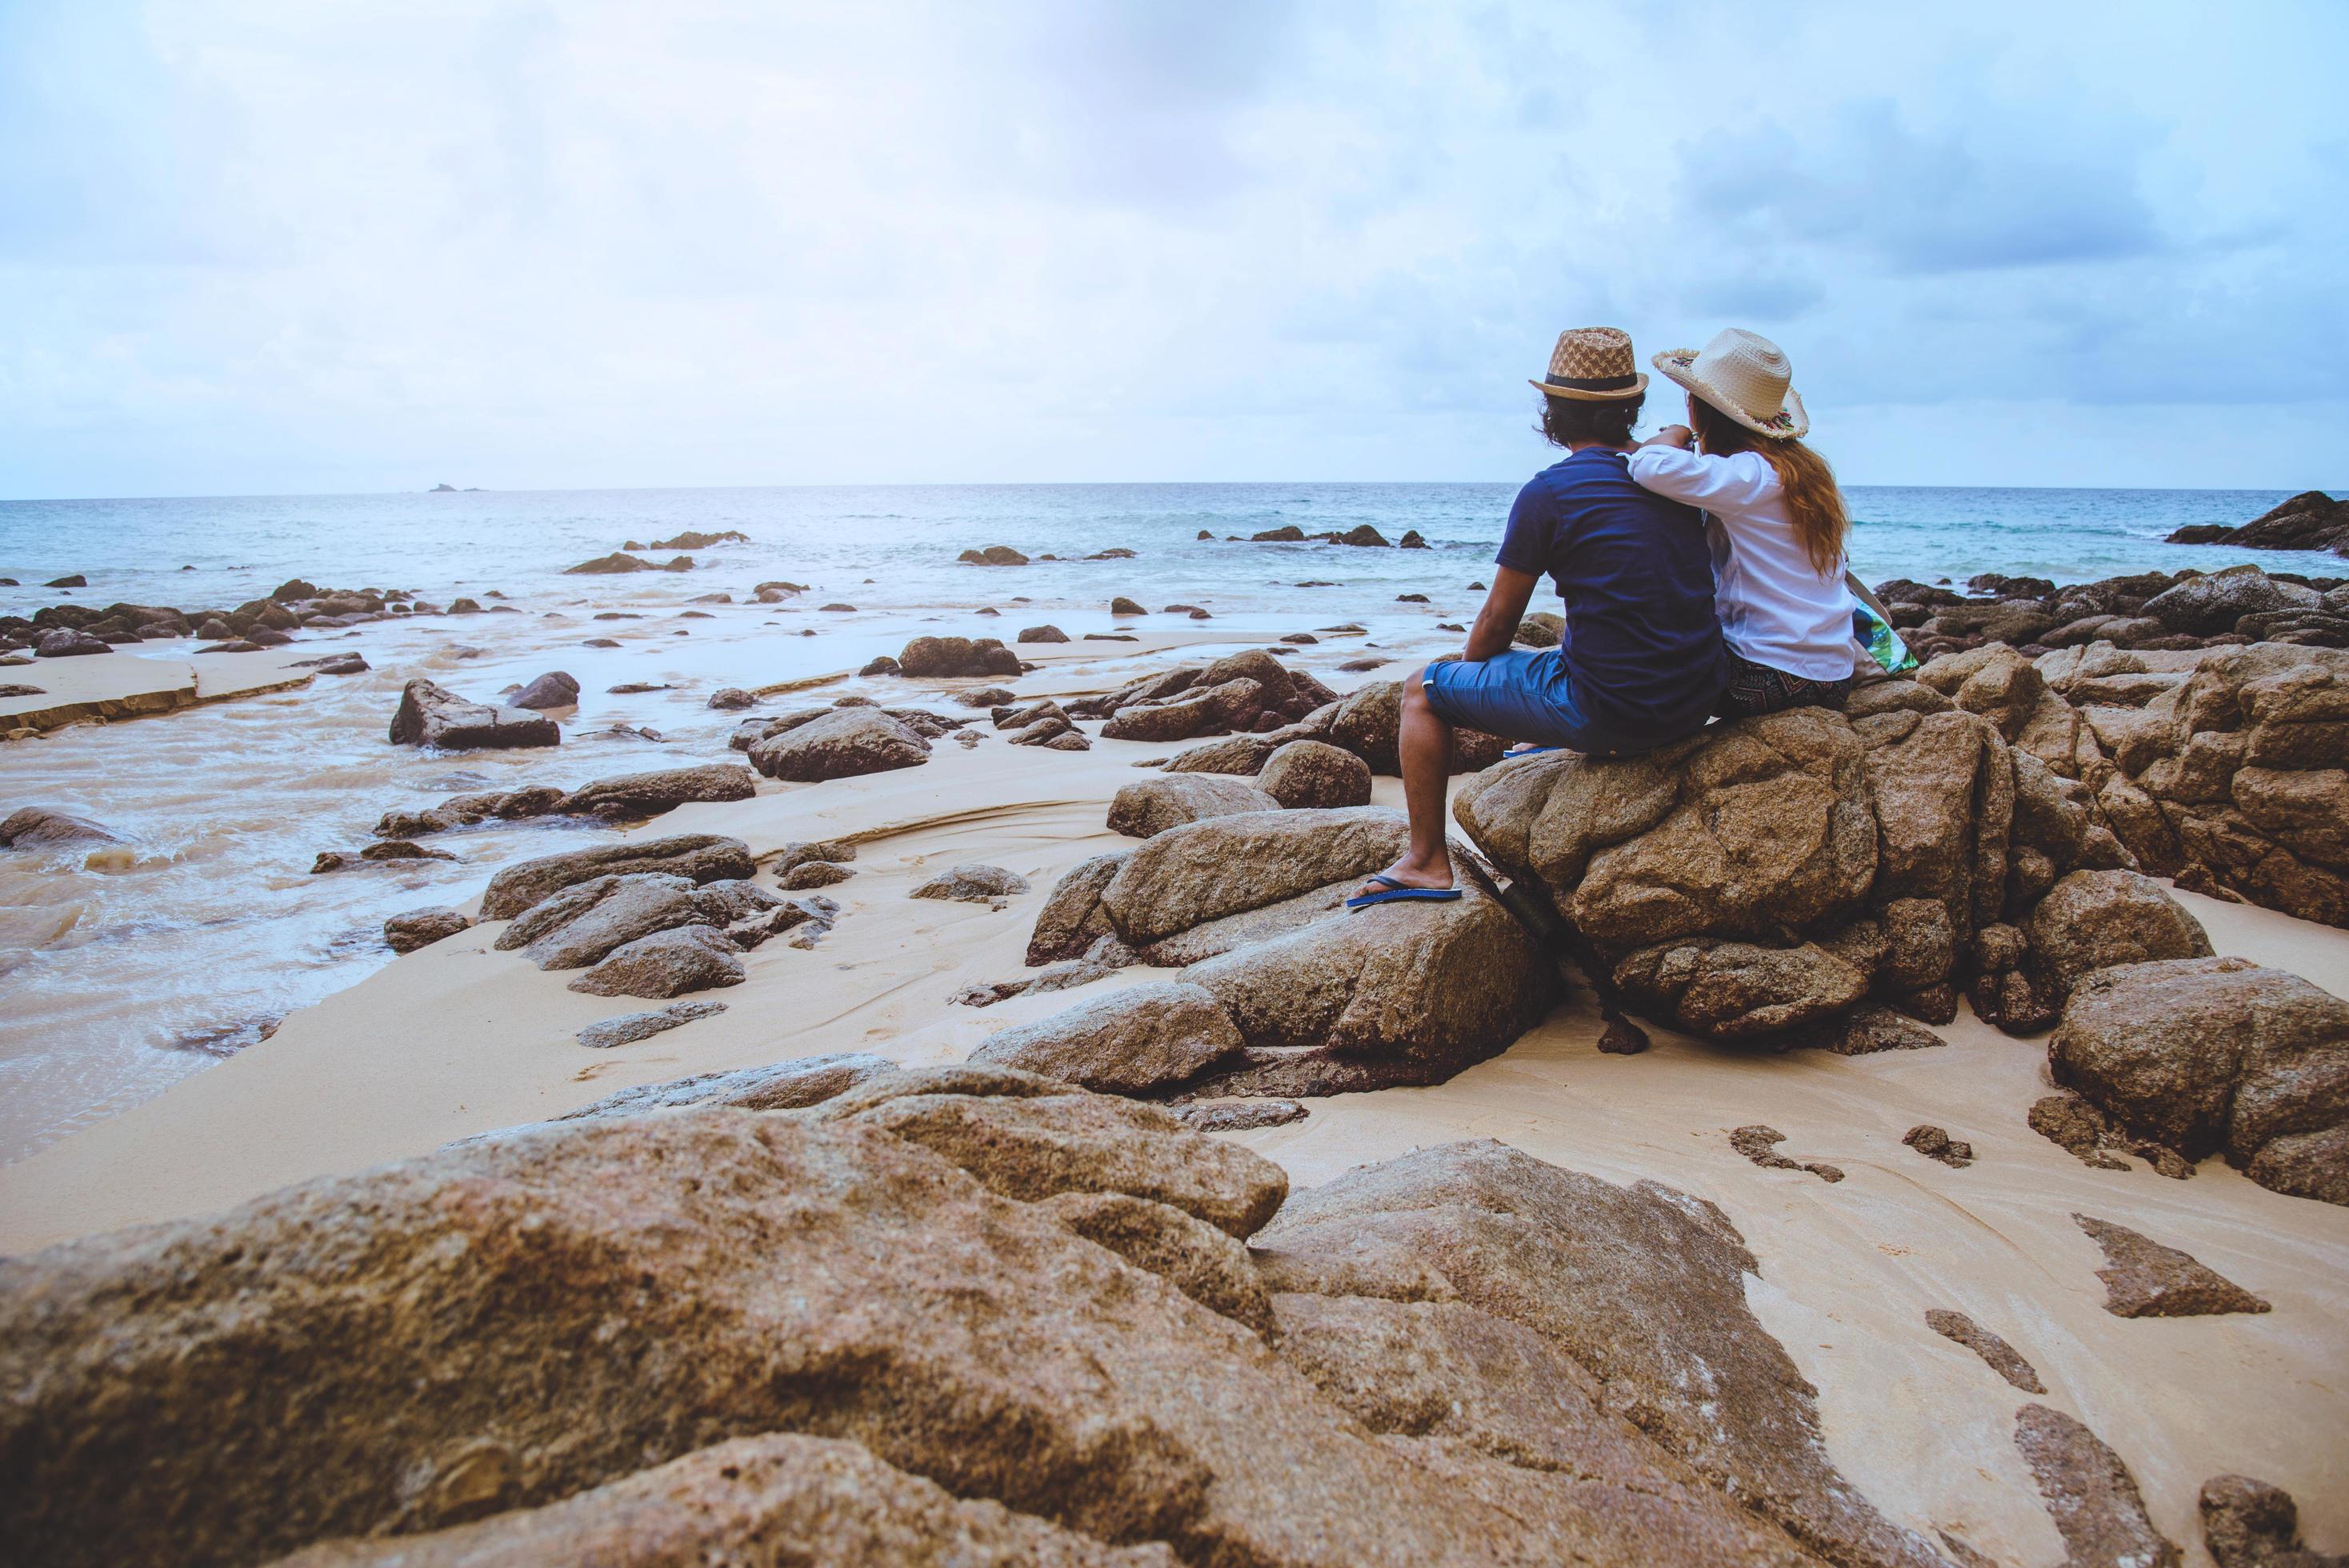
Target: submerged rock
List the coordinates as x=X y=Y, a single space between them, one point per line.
x=38 y=826
x=432 y=714
x=552 y=689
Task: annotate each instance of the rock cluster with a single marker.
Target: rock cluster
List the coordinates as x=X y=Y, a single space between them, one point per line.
x=2308 y=520
x=1783 y=871
x=619 y=562
x=822 y=1331
x=2150 y=610
x=260 y=622
x=2217 y=1056
x=1312 y=1000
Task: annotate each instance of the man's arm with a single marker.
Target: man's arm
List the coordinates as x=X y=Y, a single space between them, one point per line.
x=1504 y=606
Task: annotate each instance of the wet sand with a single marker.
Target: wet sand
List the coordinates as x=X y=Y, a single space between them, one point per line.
x=458 y=1039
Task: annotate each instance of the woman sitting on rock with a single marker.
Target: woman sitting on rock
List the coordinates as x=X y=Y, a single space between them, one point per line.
x=1774 y=517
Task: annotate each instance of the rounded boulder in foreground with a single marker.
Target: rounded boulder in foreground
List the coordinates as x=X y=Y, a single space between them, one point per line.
x=1312 y=773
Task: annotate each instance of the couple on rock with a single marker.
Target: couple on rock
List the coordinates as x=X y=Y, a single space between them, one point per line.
x=1702 y=574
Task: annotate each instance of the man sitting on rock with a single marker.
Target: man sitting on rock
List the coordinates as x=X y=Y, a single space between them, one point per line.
x=1640 y=661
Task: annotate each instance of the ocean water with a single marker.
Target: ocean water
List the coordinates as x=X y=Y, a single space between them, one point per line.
x=127 y=969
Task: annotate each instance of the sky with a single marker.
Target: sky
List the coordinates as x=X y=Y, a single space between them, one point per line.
x=257 y=248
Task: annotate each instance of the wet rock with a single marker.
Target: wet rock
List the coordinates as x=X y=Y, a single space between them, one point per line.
x=1238 y=1115
x=953 y=657
x=697 y=856
x=1149 y=1037
x=71 y=580
x=993 y=556
x=1047 y=634
x=552 y=689
x=1997 y=1354
x=415 y=928
x=841 y=743
x=630 y=1027
x=1309 y=774
x=2248 y=1523
x=1148 y=807
x=972 y=883
x=727 y=699
x=431 y=715
x=65 y=643
x=2143 y=1278
x=38 y=826
x=2217 y=1055
x=632 y=796
x=1759 y=1144
x=666 y=964
x=986 y=696
x=388 y=851
x=1121 y=605
x=1935 y=1143
x=2089 y=1494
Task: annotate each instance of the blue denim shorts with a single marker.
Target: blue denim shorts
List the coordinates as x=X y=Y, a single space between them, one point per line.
x=1528 y=694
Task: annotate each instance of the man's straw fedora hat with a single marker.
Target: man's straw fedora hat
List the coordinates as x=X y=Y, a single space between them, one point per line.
x=1746 y=376
x=1595 y=364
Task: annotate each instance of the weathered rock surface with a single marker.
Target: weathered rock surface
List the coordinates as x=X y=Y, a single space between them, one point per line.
x=1369 y=719
x=972 y=882
x=1996 y=1352
x=951 y=658
x=1311 y=775
x=2096 y=920
x=970 y=1276
x=2143 y=1278
x=1935 y=1143
x=637 y=795
x=2217 y=1055
x=840 y=743
x=1191 y=874
x=1759 y=1144
x=585 y=922
x=432 y=714
x=1072 y=918
x=2248 y=1523
x=772 y=1499
x=1145 y=1038
x=416 y=928
x=629 y=1027
x=2089 y=1494
x=697 y=857
x=1148 y=807
x=668 y=963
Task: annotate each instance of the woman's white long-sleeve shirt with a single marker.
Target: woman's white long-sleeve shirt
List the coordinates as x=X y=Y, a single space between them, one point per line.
x=1776 y=608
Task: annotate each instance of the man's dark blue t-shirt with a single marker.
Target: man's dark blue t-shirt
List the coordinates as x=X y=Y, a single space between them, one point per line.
x=1636 y=575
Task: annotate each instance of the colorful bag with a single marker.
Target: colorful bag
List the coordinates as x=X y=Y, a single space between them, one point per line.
x=1871 y=625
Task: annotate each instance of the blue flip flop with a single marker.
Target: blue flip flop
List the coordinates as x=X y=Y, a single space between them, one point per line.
x=1402 y=892
x=1517 y=751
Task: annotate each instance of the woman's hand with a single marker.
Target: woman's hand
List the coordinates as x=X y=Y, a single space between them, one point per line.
x=1679 y=436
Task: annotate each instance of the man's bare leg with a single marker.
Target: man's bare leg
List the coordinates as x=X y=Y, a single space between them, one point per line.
x=1423 y=740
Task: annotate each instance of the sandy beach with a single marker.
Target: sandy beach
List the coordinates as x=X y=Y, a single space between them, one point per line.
x=458 y=1039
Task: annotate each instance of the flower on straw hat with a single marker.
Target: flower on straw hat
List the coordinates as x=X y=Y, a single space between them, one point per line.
x=1593 y=364
x=1745 y=376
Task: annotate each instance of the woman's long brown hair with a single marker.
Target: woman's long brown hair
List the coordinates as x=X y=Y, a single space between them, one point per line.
x=1814 y=505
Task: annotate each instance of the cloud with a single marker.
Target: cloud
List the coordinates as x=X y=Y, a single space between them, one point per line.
x=251 y=244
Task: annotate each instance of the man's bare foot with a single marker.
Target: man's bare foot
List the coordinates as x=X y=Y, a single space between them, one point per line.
x=1433 y=873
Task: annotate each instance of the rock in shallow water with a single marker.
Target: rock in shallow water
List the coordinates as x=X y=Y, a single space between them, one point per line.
x=432 y=714
x=422 y=927
x=840 y=743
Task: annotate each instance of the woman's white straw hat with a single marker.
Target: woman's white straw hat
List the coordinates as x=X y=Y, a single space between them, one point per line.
x=1746 y=376
x=1593 y=365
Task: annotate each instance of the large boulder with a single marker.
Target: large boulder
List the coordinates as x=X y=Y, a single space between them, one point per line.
x=1192 y=875
x=2217 y=1056
x=1776 y=873
x=1146 y=1037
x=840 y=743
x=951 y=658
x=2094 y=920
x=1310 y=774
x=432 y=714
x=697 y=857
x=634 y=795
x=1369 y=719
x=1148 y=807
x=556 y=688
x=38 y=826
x=2203 y=606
